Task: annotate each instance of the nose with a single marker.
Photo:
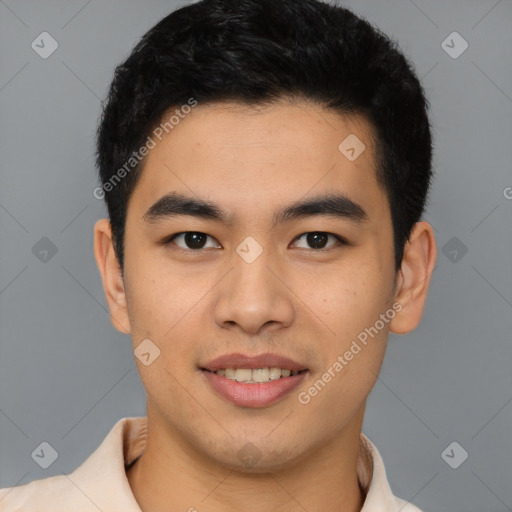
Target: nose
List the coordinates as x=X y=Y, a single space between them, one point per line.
x=254 y=297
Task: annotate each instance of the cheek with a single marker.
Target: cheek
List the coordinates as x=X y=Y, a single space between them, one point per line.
x=166 y=307
x=352 y=358
x=349 y=301
x=354 y=353
x=158 y=296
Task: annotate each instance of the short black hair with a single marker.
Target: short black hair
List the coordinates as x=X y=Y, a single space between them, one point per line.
x=258 y=52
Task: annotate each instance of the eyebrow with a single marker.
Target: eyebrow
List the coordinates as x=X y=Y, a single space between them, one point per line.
x=335 y=205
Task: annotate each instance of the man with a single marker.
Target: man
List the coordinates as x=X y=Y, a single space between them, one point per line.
x=265 y=165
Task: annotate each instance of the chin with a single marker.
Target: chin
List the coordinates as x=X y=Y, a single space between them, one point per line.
x=255 y=457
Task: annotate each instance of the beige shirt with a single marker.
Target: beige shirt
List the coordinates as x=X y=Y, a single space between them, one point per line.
x=100 y=483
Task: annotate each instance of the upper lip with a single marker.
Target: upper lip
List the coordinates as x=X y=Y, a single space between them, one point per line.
x=267 y=360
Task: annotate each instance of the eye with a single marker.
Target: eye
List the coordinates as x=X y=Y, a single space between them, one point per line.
x=318 y=239
x=194 y=240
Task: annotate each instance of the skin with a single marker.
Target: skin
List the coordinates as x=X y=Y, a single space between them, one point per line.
x=303 y=302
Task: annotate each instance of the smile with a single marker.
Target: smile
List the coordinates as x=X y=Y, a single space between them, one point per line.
x=251 y=392
x=257 y=375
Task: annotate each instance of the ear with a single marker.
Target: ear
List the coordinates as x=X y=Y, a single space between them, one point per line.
x=420 y=254
x=110 y=270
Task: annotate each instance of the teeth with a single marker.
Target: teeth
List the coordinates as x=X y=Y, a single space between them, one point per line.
x=243 y=375
x=255 y=376
x=274 y=373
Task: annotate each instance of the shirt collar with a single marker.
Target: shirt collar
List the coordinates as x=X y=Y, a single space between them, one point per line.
x=103 y=478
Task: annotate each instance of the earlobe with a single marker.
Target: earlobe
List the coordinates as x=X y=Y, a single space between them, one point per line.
x=110 y=270
x=420 y=254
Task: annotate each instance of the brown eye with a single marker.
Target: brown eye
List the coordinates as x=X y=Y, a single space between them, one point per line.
x=318 y=239
x=193 y=240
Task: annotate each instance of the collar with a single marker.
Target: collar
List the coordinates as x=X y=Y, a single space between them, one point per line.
x=371 y=473
x=100 y=482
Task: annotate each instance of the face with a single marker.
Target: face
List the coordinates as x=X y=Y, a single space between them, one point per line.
x=253 y=273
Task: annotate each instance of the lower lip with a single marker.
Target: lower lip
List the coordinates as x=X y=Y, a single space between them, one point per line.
x=253 y=395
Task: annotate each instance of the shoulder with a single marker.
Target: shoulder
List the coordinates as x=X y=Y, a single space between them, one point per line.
x=373 y=479
x=99 y=483
x=406 y=506
x=41 y=496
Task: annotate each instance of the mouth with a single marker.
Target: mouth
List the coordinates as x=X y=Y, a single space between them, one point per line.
x=253 y=381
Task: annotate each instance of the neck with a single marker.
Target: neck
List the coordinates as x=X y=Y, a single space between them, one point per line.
x=171 y=476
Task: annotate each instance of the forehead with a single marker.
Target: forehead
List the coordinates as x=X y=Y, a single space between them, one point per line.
x=250 y=157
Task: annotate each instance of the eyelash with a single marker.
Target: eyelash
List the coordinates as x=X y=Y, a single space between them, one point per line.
x=341 y=241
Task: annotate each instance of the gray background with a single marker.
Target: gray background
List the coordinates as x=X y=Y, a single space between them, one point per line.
x=66 y=375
